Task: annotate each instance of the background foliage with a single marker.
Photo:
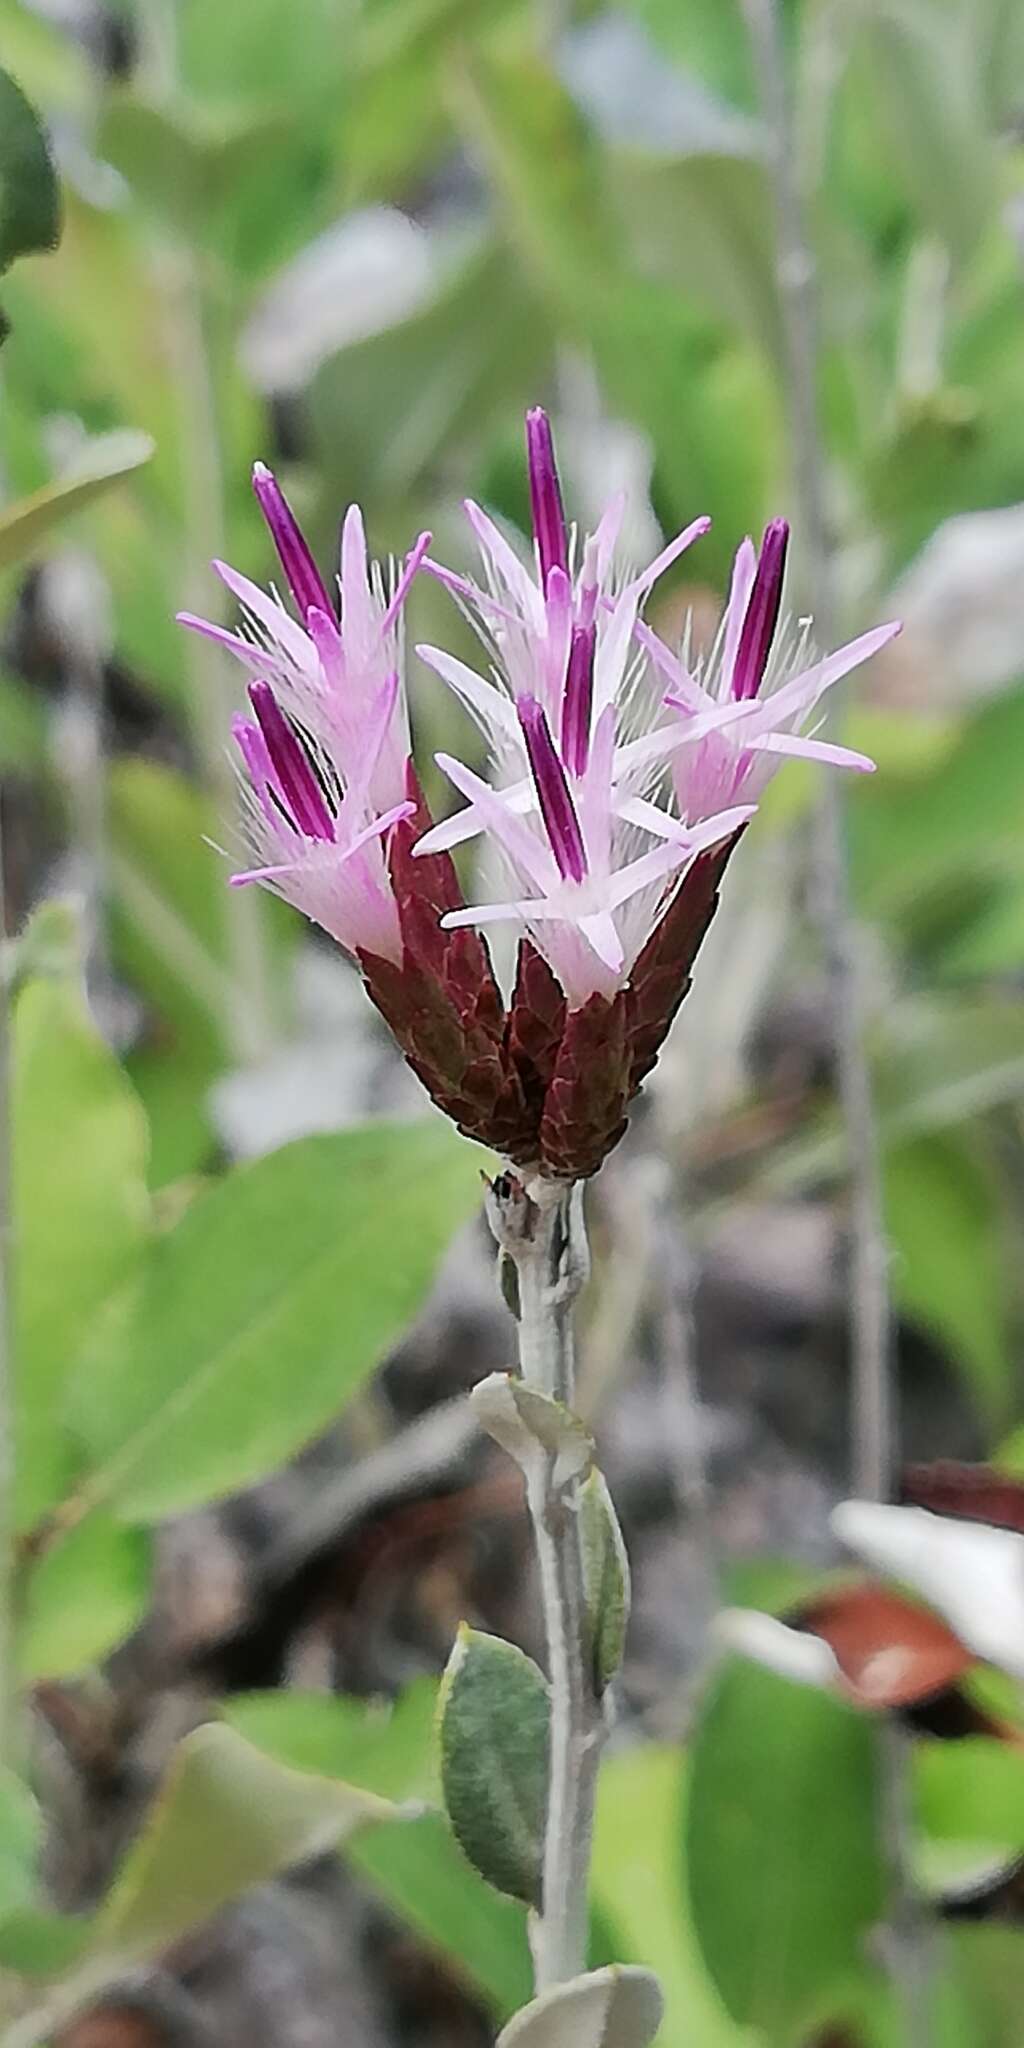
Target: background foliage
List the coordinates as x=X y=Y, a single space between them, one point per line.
x=356 y=239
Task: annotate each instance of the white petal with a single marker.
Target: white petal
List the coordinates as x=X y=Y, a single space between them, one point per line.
x=791 y=1652
x=521 y=799
x=971 y=1574
x=495 y=711
x=643 y=583
x=508 y=830
x=504 y=559
x=599 y=931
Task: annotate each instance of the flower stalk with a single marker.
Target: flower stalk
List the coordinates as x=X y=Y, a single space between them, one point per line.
x=544 y=1243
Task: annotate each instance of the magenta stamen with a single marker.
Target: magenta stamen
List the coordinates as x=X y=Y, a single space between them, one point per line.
x=300 y=791
x=762 y=612
x=545 y=496
x=553 y=794
x=577 y=703
x=413 y=562
x=306 y=582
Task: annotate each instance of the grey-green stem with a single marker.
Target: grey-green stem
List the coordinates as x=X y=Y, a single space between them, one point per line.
x=543 y=1248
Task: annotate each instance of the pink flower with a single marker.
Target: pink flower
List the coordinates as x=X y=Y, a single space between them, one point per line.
x=569 y=715
x=764 y=681
x=326 y=756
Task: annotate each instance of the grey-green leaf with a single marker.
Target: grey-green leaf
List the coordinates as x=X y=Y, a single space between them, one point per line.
x=265 y=1310
x=606 y=1582
x=617 y=2007
x=526 y=1422
x=495 y=1722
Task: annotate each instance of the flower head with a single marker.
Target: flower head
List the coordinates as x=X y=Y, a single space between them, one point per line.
x=765 y=680
x=569 y=714
x=325 y=756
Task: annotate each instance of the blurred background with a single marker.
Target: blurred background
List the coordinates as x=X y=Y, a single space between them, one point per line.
x=355 y=241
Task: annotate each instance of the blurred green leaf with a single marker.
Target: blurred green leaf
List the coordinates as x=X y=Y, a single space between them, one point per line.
x=417 y=1868
x=929 y=106
x=636 y=1885
x=29 y=198
x=20 y=1836
x=226 y=1818
x=971 y=1791
x=265 y=1309
x=82 y=1596
x=943 y=1221
x=81 y=1230
x=782 y=1861
x=27 y=526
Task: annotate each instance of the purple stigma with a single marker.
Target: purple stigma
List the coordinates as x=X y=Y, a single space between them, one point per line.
x=307 y=585
x=762 y=612
x=545 y=496
x=578 y=701
x=297 y=784
x=553 y=795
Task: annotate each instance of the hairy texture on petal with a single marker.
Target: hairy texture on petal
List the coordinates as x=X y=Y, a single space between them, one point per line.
x=662 y=974
x=585 y=1106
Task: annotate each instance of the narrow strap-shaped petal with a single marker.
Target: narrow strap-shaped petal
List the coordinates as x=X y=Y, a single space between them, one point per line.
x=605 y=535
x=268 y=611
x=468 y=592
x=553 y=794
x=762 y=614
x=518 y=581
x=744 y=569
x=549 y=529
x=802 y=692
x=255 y=658
x=327 y=856
x=666 y=740
x=293 y=772
x=794 y=745
x=577 y=704
x=360 y=617
x=307 y=585
x=493 y=710
x=648 y=578
x=373 y=736
x=598 y=928
x=594 y=795
x=690 y=693
x=510 y=831
x=613 y=645
x=413 y=563
x=558 y=642
x=519 y=797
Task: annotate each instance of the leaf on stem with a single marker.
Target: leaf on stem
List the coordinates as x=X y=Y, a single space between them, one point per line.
x=617 y=2007
x=606 y=1581
x=525 y=1422
x=495 y=1722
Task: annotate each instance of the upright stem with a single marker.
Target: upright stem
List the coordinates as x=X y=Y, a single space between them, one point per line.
x=873 y=1429
x=545 y=1244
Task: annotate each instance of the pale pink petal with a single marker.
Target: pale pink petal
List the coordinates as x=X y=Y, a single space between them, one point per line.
x=518 y=581
x=599 y=931
x=270 y=614
x=413 y=563
x=521 y=797
x=493 y=709
x=802 y=692
x=642 y=584
x=509 y=830
x=359 y=613
x=613 y=649
x=651 y=867
x=744 y=569
x=605 y=535
x=686 y=686
x=810 y=750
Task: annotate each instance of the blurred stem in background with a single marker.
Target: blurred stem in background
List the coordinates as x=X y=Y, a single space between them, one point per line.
x=248 y=1022
x=908 y=1954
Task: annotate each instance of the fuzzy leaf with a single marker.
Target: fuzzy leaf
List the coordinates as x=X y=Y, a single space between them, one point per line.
x=617 y=2007
x=527 y=1423
x=606 y=1583
x=30 y=524
x=495 y=1714
x=85 y=1593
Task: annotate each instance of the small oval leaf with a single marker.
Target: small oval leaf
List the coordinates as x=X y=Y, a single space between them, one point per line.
x=617 y=2007
x=524 y=1421
x=494 y=1717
